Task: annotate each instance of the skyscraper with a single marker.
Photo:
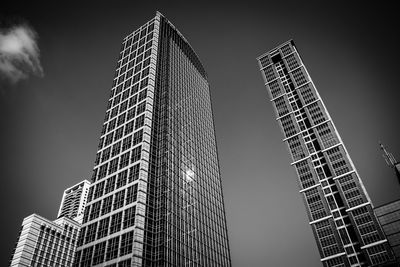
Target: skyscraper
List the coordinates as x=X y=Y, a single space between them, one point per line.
x=388 y=214
x=156 y=194
x=42 y=242
x=73 y=202
x=338 y=206
x=389 y=217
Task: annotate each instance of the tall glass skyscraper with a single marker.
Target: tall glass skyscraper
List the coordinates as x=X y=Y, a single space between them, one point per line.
x=338 y=206
x=156 y=194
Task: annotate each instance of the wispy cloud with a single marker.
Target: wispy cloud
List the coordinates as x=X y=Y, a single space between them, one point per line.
x=19 y=53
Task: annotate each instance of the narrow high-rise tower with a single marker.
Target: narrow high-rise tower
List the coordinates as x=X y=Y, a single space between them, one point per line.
x=338 y=206
x=42 y=242
x=156 y=194
x=73 y=202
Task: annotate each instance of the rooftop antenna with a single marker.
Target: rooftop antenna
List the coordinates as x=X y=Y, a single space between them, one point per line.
x=391 y=161
x=389 y=158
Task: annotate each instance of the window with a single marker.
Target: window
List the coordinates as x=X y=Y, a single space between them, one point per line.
x=117 y=99
x=91 y=232
x=97 y=161
x=106 y=154
x=86 y=257
x=109 y=139
x=138 y=68
x=99 y=251
x=110 y=184
x=129 y=128
x=121 y=119
x=112 y=248
x=114 y=112
x=124 y=160
x=146 y=62
x=144 y=82
x=113 y=166
x=127 y=142
x=103 y=170
x=119 y=200
x=116 y=148
x=305 y=174
x=122 y=177
x=131 y=114
x=111 y=125
x=104 y=129
x=126 y=243
x=103 y=228
x=101 y=142
x=288 y=125
x=135 y=89
x=99 y=190
x=136 y=154
x=86 y=214
x=116 y=221
x=118 y=133
x=90 y=194
x=137 y=137
x=107 y=203
x=139 y=122
x=95 y=210
x=129 y=217
x=131 y=194
x=81 y=236
x=141 y=108
x=134 y=173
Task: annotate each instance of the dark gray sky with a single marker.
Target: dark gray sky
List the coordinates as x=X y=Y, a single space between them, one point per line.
x=50 y=126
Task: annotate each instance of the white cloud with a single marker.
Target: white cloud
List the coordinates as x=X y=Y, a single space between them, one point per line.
x=19 y=53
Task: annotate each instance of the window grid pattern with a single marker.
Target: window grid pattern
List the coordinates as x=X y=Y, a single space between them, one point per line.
x=281 y=106
x=179 y=220
x=316 y=113
x=288 y=126
x=307 y=119
x=338 y=161
x=326 y=238
x=265 y=61
x=327 y=135
x=296 y=147
x=305 y=174
x=366 y=225
x=269 y=73
x=350 y=189
x=46 y=243
x=123 y=151
x=275 y=89
x=307 y=93
x=189 y=216
x=315 y=204
x=292 y=61
x=299 y=77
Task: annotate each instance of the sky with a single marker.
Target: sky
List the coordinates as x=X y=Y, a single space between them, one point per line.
x=51 y=117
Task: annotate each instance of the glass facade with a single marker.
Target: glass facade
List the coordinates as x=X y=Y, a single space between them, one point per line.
x=338 y=207
x=156 y=194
